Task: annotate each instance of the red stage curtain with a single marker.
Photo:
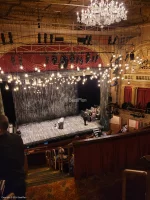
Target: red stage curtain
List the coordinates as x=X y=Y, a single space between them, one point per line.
x=143 y=97
x=127 y=94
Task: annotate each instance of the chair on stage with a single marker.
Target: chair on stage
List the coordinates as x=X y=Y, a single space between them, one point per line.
x=61 y=123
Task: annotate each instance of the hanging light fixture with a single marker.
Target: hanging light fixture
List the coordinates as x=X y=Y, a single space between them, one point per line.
x=102 y=13
x=6 y=87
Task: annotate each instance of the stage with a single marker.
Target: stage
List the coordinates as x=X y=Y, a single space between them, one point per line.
x=34 y=133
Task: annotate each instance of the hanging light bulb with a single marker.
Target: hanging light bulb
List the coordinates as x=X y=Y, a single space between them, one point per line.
x=72 y=66
x=21 y=67
x=6 y=87
x=78 y=69
x=44 y=65
x=26 y=75
x=62 y=66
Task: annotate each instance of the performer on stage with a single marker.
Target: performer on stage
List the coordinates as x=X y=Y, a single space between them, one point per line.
x=85 y=117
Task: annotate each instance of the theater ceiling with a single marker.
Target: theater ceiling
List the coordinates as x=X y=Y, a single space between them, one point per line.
x=26 y=18
x=64 y=11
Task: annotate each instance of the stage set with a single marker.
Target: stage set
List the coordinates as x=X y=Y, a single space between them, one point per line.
x=38 y=110
x=33 y=133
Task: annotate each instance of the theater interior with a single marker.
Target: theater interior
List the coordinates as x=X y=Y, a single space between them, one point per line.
x=75 y=86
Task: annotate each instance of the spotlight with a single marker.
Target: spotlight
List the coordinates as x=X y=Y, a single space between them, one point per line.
x=110 y=40
x=81 y=40
x=132 y=56
x=85 y=39
x=96 y=57
x=115 y=39
x=89 y=40
x=77 y=59
x=39 y=26
x=81 y=60
x=54 y=59
x=46 y=60
x=87 y=57
x=127 y=56
x=3 y=38
x=20 y=60
x=51 y=38
x=59 y=39
x=39 y=37
x=117 y=61
x=111 y=59
x=63 y=62
x=93 y=58
x=72 y=58
x=45 y=37
x=13 y=60
x=10 y=38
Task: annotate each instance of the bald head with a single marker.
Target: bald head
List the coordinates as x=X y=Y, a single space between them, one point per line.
x=3 y=123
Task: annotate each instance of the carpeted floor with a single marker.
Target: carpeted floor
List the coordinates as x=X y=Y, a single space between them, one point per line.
x=44 y=184
x=43 y=176
x=62 y=187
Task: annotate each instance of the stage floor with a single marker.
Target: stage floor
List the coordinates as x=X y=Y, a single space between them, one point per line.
x=35 y=132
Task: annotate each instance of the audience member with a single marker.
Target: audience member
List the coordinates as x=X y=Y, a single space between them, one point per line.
x=124 y=129
x=12 y=161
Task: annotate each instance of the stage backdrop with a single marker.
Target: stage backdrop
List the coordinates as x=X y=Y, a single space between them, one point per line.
x=47 y=103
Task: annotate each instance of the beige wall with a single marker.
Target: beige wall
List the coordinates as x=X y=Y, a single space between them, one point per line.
x=141 y=45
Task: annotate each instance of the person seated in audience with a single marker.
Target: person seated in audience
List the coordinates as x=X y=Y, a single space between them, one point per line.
x=124 y=129
x=61 y=153
x=12 y=161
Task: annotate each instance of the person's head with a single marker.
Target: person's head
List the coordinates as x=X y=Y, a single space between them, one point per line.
x=4 y=123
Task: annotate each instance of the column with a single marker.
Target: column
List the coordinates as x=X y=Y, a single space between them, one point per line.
x=104 y=117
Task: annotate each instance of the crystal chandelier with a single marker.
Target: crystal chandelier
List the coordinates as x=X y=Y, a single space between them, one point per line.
x=102 y=13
